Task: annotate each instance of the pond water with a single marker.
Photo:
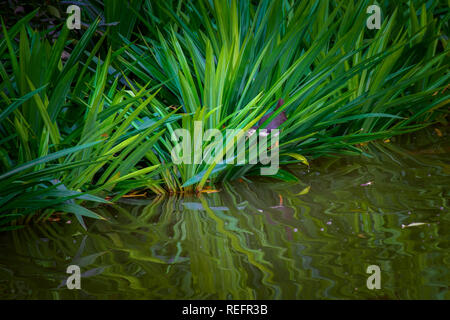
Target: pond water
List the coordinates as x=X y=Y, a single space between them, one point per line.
x=261 y=239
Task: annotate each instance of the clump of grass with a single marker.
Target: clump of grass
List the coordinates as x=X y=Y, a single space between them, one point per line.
x=57 y=148
x=227 y=63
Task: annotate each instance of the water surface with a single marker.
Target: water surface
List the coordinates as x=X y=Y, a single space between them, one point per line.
x=259 y=240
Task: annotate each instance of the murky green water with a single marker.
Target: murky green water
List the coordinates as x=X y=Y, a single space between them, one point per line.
x=260 y=240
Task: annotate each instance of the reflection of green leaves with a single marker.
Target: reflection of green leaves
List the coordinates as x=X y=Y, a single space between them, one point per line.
x=93 y=272
x=193 y=205
x=255 y=251
x=87 y=260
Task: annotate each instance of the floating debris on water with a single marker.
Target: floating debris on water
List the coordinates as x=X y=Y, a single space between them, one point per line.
x=414 y=224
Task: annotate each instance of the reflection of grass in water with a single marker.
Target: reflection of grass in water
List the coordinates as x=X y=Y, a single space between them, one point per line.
x=227 y=248
x=236 y=238
x=211 y=246
x=215 y=268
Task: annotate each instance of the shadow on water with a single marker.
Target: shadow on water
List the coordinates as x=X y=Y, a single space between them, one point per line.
x=260 y=240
